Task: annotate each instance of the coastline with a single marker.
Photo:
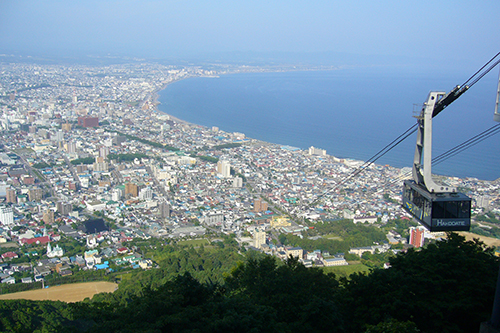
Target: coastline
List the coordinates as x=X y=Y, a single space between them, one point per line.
x=156 y=102
x=302 y=146
x=261 y=142
x=155 y=94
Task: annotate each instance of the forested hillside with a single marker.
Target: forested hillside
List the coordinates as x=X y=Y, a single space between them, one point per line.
x=447 y=287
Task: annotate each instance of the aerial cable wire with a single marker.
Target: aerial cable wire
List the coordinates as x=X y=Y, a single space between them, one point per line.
x=382 y=152
x=473 y=79
x=495 y=129
x=412 y=129
x=467 y=144
x=486 y=136
x=483 y=74
x=480 y=69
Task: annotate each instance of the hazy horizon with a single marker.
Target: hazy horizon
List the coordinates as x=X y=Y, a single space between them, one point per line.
x=424 y=34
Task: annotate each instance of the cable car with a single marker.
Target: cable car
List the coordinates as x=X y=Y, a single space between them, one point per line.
x=437 y=211
x=438 y=207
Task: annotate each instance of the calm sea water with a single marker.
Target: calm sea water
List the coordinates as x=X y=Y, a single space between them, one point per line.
x=351 y=113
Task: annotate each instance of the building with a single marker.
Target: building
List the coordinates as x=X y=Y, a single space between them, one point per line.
x=104 y=152
x=164 y=209
x=116 y=194
x=239 y=136
x=96 y=205
x=35 y=194
x=94 y=226
x=372 y=249
x=280 y=221
x=146 y=193
x=48 y=216
x=417 y=236
x=88 y=121
x=295 y=252
x=259 y=238
x=259 y=205
x=118 y=140
x=72 y=186
x=92 y=241
x=348 y=214
x=27 y=280
x=483 y=201
x=28 y=180
x=66 y=127
x=224 y=168
x=214 y=219
x=9 y=255
x=70 y=147
x=91 y=257
x=6 y=216
x=35 y=240
x=100 y=165
x=59 y=136
x=337 y=261
x=317 y=151
x=54 y=252
x=238 y=182
x=365 y=219
x=82 y=168
x=9 y=280
x=6 y=159
x=11 y=195
x=64 y=208
x=131 y=190
x=16 y=172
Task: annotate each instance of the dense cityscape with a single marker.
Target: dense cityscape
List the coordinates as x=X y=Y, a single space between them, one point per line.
x=87 y=156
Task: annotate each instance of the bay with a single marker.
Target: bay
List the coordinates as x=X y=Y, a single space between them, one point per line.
x=352 y=113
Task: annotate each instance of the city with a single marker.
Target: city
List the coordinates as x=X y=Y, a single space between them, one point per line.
x=87 y=156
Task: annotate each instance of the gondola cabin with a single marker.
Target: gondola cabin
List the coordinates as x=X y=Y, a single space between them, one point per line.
x=437 y=211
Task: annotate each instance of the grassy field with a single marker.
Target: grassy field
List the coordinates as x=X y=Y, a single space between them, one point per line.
x=24 y=151
x=346 y=270
x=9 y=244
x=490 y=241
x=69 y=293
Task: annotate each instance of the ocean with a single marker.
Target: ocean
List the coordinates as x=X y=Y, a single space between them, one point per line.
x=352 y=113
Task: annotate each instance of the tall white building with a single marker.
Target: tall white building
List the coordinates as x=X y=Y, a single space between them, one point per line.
x=6 y=215
x=259 y=238
x=224 y=168
x=317 y=151
x=59 y=136
x=100 y=165
x=146 y=193
x=117 y=194
x=164 y=208
x=71 y=147
x=104 y=152
x=237 y=182
x=483 y=201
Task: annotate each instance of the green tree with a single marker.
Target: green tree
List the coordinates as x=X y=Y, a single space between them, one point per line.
x=393 y=326
x=303 y=298
x=447 y=287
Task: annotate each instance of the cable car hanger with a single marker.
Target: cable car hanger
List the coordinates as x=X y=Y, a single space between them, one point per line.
x=439 y=207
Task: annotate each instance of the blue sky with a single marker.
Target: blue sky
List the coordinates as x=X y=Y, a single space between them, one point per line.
x=446 y=30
